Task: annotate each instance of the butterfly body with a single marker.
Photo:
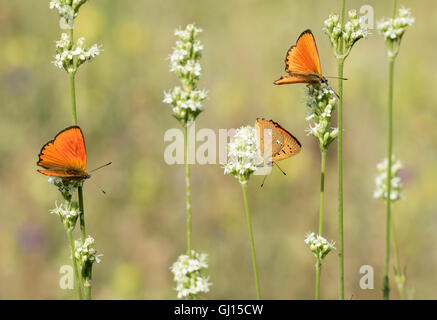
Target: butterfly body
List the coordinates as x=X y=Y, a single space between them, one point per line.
x=284 y=144
x=302 y=62
x=65 y=155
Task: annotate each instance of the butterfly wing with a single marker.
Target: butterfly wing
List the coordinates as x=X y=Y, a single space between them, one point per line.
x=284 y=144
x=65 y=155
x=302 y=62
x=296 y=79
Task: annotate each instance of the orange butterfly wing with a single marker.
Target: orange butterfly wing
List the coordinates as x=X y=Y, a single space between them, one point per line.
x=302 y=62
x=65 y=155
x=284 y=144
x=293 y=79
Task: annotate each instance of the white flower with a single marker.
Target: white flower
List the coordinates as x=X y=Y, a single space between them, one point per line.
x=68 y=212
x=243 y=154
x=319 y=245
x=85 y=253
x=320 y=105
x=184 y=102
x=64 y=42
x=381 y=191
x=394 y=29
x=184 y=62
x=65 y=186
x=187 y=271
x=71 y=59
x=54 y=4
x=353 y=30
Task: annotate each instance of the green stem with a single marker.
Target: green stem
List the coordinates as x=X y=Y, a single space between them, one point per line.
x=322 y=192
x=73 y=97
x=340 y=61
x=87 y=285
x=188 y=189
x=86 y=281
x=318 y=271
x=394 y=9
x=252 y=242
x=340 y=182
x=398 y=269
x=82 y=214
x=386 y=286
x=72 y=84
x=77 y=282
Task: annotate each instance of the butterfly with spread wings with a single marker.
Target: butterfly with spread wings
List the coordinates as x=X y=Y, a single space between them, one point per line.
x=302 y=62
x=65 y=155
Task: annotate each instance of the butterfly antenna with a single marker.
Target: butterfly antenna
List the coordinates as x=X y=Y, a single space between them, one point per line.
x=265 y=177
x=105 y=165
x=280 y=168
x=332 y=77
x=101 y=189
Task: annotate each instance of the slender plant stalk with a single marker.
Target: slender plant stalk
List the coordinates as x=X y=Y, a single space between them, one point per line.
x=77 y=280
x=386 y=284
x=79 y=189
x=386 y=290
x=340 y=182
x=340 y=61
x=188 y=189
x=401 y=287
x=87 y=287
x=322 y=190
x=394 y=9
x=318 y=271
x=322 y=193
x=82 y=215
x=252 y=243
x=73 y=97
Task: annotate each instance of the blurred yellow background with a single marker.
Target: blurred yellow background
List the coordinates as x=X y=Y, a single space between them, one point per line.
x=139 y=225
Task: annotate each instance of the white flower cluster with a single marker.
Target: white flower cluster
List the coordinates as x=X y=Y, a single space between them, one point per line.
x=243 y=154
x=85 y=253
x=68 y=212
x=394 y=29
x=70 y=57
x=66 y=9
x=319 y=245
x=320 y=105
x=381 y=191
x=353 y=31
x=66 y=187
x=184 y=62
x=184 y=102
x=187 y=271
x=66 y=12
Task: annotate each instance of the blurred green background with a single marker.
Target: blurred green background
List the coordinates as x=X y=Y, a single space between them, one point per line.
x=139 y=225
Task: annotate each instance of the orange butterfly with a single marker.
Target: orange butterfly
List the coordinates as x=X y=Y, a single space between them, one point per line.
x=302 y=62
x=284 y=144
x=65 y=155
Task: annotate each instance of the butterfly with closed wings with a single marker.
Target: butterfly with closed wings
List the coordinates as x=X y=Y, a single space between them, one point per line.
x=283 y=143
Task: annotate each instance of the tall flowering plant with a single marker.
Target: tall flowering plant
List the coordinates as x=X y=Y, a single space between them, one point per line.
x=186 y=103
x=343 y=37
x=244 y=158
x=70 y=55
x=392 y=30
x=321 y=104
